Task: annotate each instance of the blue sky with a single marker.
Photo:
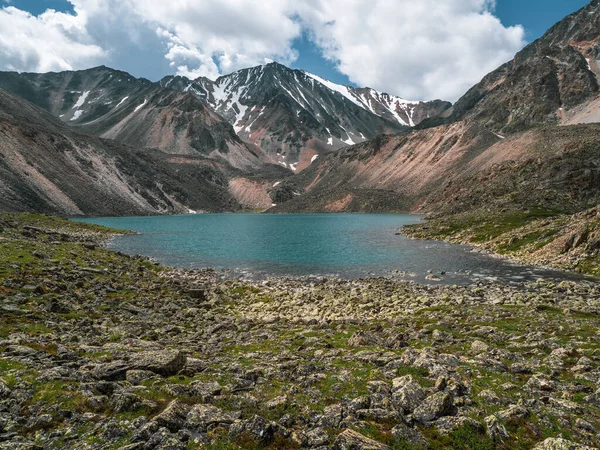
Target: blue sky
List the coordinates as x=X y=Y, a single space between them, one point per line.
x=107 y=39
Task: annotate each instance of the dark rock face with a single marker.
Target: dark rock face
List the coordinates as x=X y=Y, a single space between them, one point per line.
x=544 y=81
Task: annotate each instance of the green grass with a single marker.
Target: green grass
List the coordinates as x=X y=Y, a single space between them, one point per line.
x=464 y=438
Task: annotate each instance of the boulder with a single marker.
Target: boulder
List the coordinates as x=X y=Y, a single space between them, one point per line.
x=407 y=394
x=363 y=339
x=162 y=362
x=478 y=347
x=435 y=406
x=136 y=377
x=409 y=435
x=317 y=438
x=353 y=440
x=173 y=417
x=203 y=417
x=112 y=371
x=560 y=444
x=495 y=429
x=205 y=391
x=259 y=428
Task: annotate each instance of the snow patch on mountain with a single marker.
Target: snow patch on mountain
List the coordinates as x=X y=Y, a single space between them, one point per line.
x=81 y=100
x=336 y=88
x=122 y=101
x=77 y=115
x=141 y=106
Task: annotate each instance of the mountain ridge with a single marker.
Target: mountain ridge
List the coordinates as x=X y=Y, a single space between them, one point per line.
x=288 y=116
x=47 y=166
x=112 y=104
x=294 y=115
x=553 y=80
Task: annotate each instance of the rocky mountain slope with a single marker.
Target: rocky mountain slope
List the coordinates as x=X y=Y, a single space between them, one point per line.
x=554 y=80
x=45 y=166
x=115 y=105
x=295 y=116
x=387 y=173
x=456 y=168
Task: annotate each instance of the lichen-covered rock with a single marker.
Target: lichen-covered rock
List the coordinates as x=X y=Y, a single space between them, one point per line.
x=173 y=416
x=411 y=435
x=478 y=347
x=203 y=417
x=257 y=427
x=560 y=444
x=162 y=362
x=363 y=339
x=407 y=394
x=138 y=376
x=205 y=391
x=353 y=440
x=437 y=405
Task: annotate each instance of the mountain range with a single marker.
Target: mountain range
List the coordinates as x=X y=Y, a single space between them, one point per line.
x=274 y=138
x=294 y=115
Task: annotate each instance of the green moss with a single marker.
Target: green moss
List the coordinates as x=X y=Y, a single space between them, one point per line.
x=466 y=437
x=61 y=393
x=244 y=290
x=590 y=266
x=115 y=337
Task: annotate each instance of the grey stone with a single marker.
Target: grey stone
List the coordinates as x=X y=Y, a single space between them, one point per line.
x=437 y=405
x=353 y=440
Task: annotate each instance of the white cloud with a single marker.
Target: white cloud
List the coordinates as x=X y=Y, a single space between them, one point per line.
x=417 y=49
x=51 y=41
x=420 y=49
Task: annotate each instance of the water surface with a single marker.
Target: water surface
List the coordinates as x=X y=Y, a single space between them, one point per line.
x=344 y=245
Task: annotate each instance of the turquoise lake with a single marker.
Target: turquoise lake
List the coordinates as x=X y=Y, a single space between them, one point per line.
x=257 y=246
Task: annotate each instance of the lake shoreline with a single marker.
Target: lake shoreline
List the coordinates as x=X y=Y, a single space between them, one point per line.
x=346 y=246
x=511 y=258
x=103 y=350
x=565 y=242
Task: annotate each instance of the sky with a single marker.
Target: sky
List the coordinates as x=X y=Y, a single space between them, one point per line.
x=418 y=49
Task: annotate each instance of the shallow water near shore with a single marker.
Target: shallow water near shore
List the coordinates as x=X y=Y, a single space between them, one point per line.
x=258 y=246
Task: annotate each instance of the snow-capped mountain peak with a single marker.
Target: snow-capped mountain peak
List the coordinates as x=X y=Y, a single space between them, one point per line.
x=294 y=115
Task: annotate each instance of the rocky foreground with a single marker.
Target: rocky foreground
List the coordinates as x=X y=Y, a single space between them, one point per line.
x=99 y=350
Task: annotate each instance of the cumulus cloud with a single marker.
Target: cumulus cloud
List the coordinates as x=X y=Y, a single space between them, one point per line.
x=230 y=34
x=421 y=50
x=51 y=41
